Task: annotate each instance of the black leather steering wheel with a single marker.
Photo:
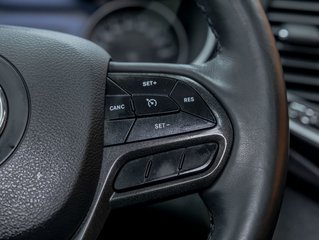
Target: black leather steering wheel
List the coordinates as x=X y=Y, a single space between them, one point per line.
x=61 y=173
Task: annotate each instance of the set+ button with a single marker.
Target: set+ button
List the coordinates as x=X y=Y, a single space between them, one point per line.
x=145 y=84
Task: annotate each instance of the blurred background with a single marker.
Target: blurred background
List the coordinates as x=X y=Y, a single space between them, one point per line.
x=175 y=31
x=171 y=31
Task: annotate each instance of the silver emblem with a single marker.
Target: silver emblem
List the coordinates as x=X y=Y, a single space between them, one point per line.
x=3 y=110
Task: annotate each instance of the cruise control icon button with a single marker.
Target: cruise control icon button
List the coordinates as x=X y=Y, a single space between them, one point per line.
x=118 y=107
x=161 y=126
x=153 y=104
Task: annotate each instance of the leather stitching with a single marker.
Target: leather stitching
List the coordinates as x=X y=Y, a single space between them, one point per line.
x=204 y=7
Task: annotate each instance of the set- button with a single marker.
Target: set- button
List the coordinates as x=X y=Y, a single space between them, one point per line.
x=161 y=126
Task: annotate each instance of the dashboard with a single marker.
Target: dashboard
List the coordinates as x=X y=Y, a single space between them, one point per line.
x=175 y=31
x=295 y=25
x=131 y=31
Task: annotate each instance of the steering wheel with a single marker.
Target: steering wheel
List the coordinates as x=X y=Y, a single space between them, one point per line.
x=82 y=135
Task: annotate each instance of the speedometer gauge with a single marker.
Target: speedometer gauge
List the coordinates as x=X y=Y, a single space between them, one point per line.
x=139 y=32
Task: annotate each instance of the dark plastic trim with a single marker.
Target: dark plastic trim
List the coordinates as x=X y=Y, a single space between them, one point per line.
x=17 y=98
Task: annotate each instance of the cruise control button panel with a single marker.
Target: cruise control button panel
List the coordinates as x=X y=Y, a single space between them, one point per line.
x=158 y=106
x=165 y=166
x=175 y=140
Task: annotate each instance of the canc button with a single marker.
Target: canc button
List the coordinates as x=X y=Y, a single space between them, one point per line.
x=118 y=107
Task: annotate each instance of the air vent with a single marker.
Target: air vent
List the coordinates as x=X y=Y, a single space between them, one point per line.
x=295 y=25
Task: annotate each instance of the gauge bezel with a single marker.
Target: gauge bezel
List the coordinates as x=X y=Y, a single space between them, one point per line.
x=207 y=49
x=157 y=8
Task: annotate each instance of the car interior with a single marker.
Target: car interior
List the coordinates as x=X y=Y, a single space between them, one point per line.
x=159 y=119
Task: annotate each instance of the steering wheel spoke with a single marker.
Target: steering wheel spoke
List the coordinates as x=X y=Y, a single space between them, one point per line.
x=163 y=153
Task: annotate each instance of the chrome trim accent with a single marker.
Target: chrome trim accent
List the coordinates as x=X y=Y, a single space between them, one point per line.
x=3 y=110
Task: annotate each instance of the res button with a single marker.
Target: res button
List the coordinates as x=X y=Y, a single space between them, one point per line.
x=190 y=101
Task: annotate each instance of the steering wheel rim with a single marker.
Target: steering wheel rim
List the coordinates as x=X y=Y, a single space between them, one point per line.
x=74 y=187
x=259 y=210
